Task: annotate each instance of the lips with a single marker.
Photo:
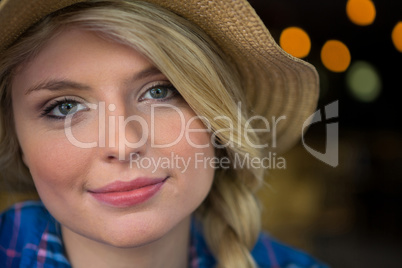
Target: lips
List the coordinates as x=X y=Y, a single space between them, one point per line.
x=126 y=194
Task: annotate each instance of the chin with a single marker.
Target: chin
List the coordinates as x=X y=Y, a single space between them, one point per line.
x=134 y=233
x=129 y=242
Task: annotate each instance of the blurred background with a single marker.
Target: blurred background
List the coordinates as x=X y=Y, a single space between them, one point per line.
x=349 y=215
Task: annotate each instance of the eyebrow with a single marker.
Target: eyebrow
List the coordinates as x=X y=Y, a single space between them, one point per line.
x=55 y=85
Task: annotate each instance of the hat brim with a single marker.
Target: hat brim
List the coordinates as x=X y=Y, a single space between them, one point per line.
x=277 y=86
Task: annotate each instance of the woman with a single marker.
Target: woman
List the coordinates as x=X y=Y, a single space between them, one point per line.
x=128 y=117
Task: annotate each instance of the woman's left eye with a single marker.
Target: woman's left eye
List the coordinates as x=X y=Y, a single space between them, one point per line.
x=159 y=93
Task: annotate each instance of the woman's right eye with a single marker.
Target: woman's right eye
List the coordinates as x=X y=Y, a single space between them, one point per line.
x=60 y=109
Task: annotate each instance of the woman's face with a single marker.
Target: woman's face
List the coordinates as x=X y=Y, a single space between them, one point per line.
x=104 y=135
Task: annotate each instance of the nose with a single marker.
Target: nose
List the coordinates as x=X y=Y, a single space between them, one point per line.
x=122 y=132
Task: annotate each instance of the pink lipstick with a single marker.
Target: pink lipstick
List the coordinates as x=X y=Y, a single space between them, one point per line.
x=126 y=194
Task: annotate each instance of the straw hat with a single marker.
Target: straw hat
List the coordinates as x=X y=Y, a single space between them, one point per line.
x=277 y=84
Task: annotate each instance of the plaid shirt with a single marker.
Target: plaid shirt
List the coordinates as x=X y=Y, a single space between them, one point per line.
x=30 y=237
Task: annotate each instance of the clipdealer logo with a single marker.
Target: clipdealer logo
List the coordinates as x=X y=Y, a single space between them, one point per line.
x=110 y=125
x=331 y=155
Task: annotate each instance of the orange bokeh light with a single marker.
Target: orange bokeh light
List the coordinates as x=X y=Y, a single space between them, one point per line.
x=335 y=56
x=295 y=41
x=397 y=36
x=361 y=12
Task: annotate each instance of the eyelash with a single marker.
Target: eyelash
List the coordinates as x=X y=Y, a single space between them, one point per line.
x=56 y=103
x=168 y=86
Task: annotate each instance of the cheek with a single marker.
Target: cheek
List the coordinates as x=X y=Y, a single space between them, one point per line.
x=183 y=135
x=193 y=153
x=51 y=158
x=53 y=162
x=180 y=126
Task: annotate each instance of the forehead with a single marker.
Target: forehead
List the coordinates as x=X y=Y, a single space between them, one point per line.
x=80 y=55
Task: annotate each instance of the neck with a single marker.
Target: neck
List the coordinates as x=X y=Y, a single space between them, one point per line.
x=170 y=251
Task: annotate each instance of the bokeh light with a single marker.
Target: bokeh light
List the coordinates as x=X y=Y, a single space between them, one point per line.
x=361 y=12
x=397 y=36
x=295 y=41
x=335 y=56
x=364 y=81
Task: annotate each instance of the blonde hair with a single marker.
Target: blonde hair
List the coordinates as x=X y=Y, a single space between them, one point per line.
x=205 y=78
